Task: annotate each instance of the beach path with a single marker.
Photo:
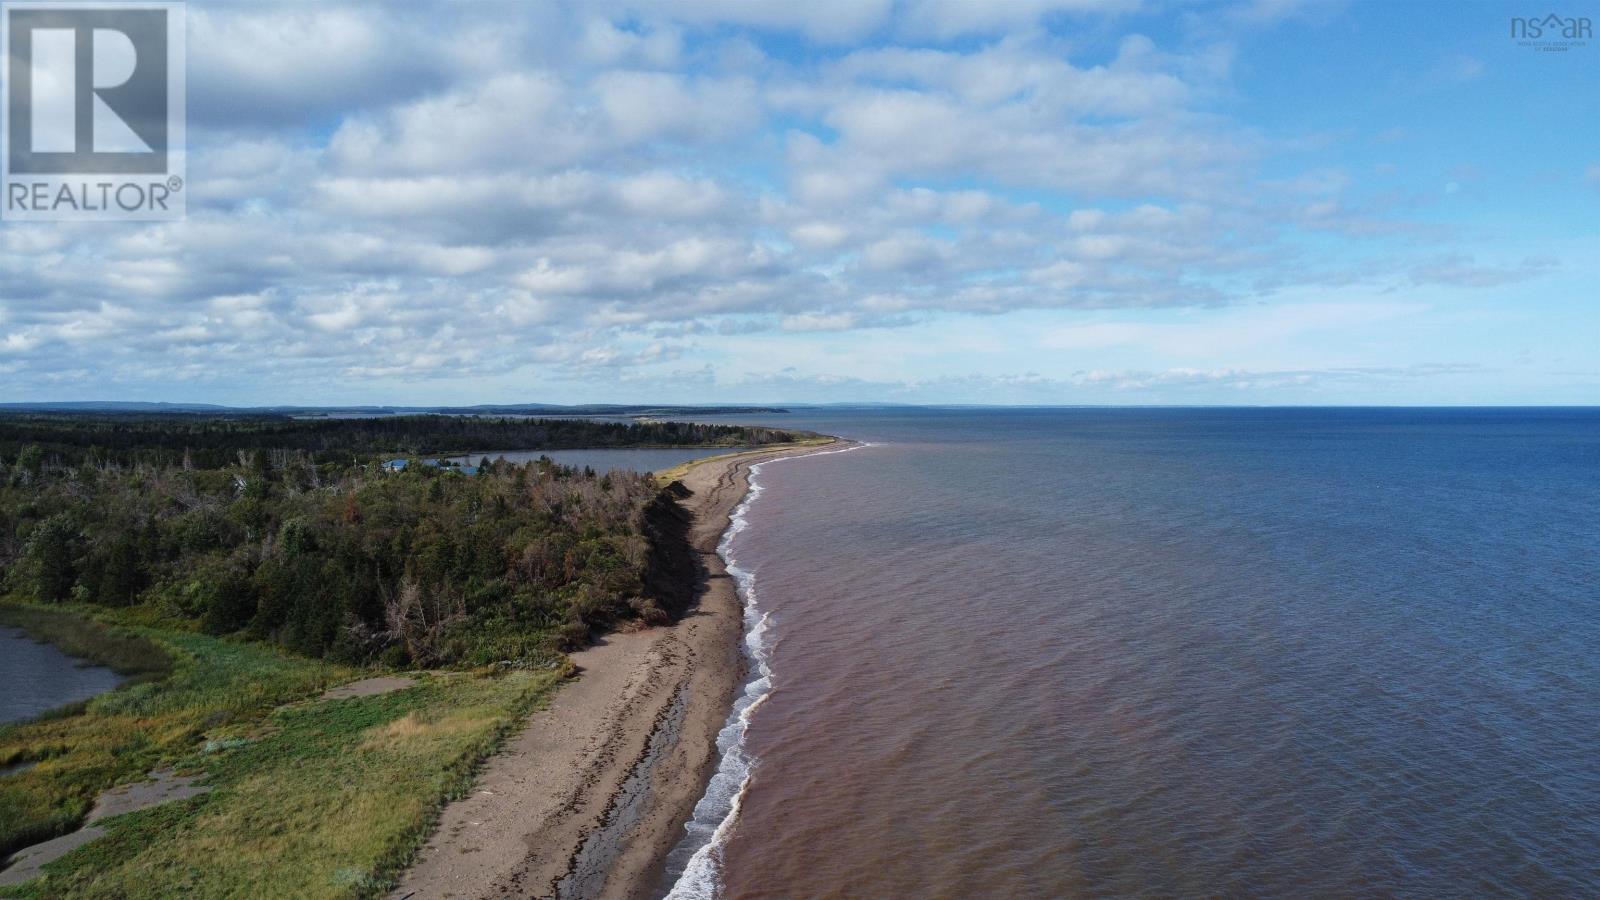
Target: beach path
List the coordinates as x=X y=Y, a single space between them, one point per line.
x=589 y=798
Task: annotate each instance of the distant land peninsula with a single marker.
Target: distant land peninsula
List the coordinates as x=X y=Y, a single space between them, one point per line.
x=508 y=409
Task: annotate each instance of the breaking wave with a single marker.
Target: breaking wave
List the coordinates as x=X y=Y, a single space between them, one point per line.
x=696 y=863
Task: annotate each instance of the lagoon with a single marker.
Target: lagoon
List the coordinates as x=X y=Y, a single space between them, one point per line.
x=36 y=677
x=606 y=459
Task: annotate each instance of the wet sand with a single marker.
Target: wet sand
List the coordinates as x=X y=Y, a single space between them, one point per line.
x=588 y=800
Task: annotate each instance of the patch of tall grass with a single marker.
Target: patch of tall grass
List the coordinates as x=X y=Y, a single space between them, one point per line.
x=198 y=683
x=310 y=798
x=319 y=799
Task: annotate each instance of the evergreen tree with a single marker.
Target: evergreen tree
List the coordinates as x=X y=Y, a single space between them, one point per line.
x=51 y=552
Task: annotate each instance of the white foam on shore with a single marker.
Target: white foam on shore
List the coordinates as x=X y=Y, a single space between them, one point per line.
x=718 y=810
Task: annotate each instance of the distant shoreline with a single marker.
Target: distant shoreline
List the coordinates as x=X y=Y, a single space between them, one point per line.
x=591 y=797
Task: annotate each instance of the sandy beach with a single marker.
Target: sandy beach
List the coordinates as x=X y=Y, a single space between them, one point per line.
x=589 y=798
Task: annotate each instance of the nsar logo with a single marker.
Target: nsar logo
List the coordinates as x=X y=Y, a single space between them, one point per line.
x=1552 y=33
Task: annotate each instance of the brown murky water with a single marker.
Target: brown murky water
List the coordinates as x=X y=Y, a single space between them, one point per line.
x=1173 y=653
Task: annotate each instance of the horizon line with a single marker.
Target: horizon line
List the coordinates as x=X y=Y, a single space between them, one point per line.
x=423 y=408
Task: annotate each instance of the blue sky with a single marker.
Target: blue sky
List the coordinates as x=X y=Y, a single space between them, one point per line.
x=1025 y=201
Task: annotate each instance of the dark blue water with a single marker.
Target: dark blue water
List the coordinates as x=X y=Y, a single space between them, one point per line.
x=36 y=677
x=1178 y=653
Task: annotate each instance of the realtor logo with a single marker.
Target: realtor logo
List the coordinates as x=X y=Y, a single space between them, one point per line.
x=92 y=111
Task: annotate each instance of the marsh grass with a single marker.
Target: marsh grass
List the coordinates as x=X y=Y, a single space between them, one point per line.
x=328 y=799
x=185 y=684
x=310 y=798
x=666 y=477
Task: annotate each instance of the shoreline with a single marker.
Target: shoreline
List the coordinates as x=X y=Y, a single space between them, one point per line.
x=591 y=795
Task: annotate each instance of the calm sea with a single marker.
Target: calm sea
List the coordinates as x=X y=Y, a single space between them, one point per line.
x=1288 y=653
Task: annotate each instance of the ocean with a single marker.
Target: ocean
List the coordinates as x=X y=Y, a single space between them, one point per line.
x=1167 y=652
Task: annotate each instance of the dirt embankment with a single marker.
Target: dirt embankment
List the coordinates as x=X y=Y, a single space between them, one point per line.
x=592 y=795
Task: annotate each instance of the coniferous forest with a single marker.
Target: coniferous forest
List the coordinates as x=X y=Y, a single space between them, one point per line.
x=293 y=531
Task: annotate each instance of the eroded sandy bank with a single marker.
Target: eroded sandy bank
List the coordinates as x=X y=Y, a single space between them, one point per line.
x=591 y=796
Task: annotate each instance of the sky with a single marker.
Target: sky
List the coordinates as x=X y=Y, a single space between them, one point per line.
x=918 y=201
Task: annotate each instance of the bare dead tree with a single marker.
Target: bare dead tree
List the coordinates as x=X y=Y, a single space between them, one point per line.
x=418 y=619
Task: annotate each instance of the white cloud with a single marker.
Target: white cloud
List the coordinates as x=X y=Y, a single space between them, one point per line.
x=299 y=62
x=643 y=106
x=832 y=21
x=1242 y=329
x=946 y=19
x=476 y=191
x=821 y=322
x=1464 y=271
x=605 y=43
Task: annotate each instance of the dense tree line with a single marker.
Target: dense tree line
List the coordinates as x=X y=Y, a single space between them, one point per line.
x=212 y=441
x=424 y=567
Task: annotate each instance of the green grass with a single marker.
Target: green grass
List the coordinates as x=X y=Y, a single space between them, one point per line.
x=324 y=799
x=119 y=736
x=310 y=799
x=668 y=476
